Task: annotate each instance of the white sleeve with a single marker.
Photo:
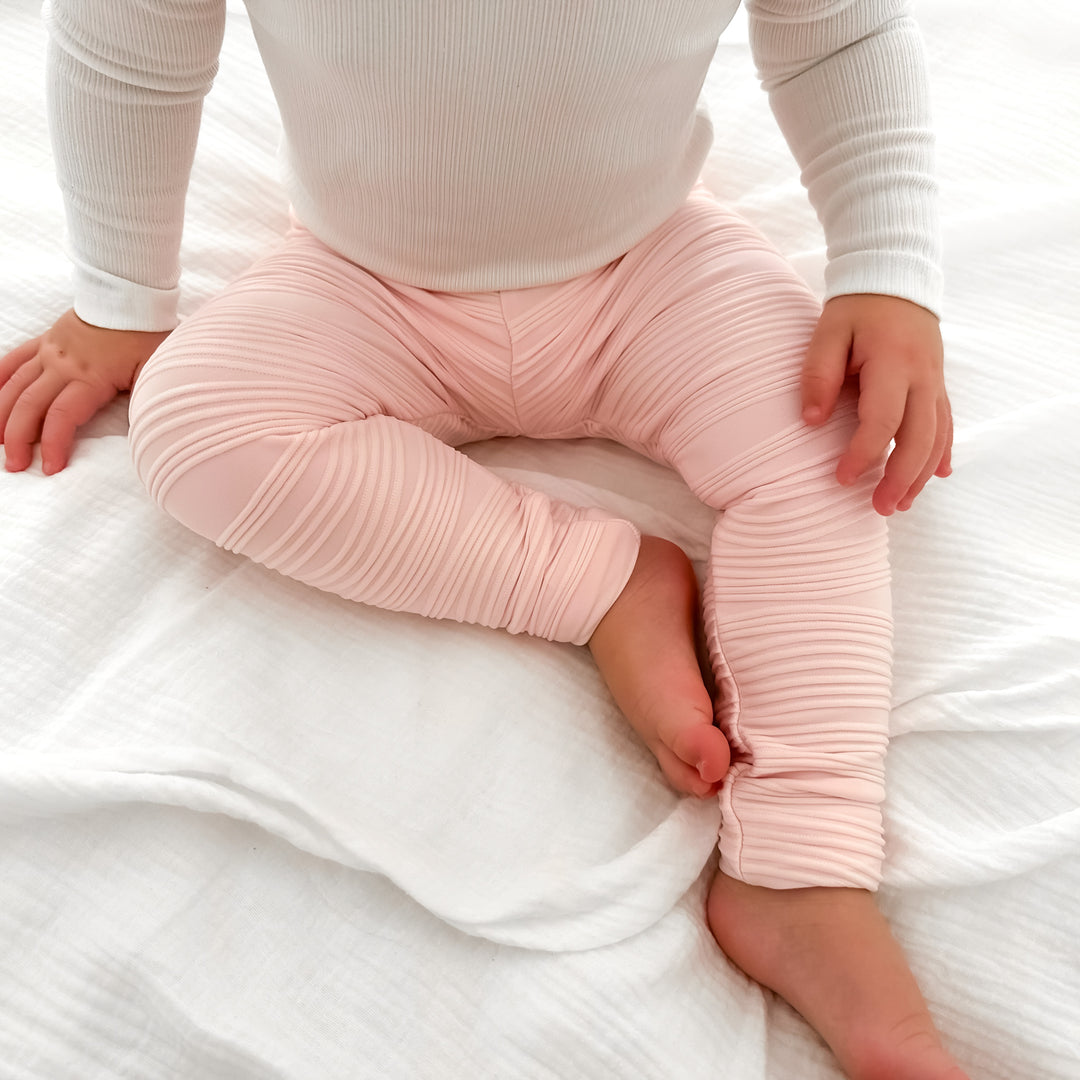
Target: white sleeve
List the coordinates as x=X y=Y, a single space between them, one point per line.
x=126 y=81
x=847 y=83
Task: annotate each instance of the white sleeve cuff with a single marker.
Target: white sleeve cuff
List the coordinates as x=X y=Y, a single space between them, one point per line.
x=102 y=299
x=888 y=273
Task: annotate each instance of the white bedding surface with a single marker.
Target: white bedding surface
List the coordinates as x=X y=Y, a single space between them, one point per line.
x=249 y=831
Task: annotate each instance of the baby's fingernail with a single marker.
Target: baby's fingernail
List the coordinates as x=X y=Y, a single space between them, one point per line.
x=812 y=414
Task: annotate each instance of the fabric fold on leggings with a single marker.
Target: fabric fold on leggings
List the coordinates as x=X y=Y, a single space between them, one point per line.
x=307 y=419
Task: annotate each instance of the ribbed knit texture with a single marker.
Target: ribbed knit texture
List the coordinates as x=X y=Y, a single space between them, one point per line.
x=859 y=127
x=301 y=418
x=475 y=146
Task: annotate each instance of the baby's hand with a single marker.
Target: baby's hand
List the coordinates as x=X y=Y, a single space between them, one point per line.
x=894 y=348
x=51 y=385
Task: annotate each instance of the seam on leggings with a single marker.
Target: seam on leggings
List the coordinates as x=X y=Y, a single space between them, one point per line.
x=733 y=725
x=737 y=861
x=510 y=369
x=736 y=710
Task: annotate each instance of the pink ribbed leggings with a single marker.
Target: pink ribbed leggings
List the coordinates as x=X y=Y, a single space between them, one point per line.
x=307 y=416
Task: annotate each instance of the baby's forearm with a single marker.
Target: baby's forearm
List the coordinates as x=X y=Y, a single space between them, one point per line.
x=125 y=101
x=848 y=85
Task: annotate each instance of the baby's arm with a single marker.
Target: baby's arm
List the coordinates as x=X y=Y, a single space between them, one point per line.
x=847 y=83
x=126 y=82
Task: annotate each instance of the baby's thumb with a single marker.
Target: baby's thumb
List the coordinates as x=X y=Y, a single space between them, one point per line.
x=823 y=371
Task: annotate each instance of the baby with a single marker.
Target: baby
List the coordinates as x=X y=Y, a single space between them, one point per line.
x=497 y=231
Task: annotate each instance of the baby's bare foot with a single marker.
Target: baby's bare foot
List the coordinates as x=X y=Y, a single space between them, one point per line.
x=644 y=647
x=830 y=954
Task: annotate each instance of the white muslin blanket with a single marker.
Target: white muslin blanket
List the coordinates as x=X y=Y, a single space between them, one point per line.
x=251 y=831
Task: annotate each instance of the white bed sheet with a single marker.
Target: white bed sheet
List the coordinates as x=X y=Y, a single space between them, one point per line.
x=252 y=831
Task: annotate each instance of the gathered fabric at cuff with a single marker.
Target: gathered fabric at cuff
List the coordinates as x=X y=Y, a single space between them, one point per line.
x=802 y=828
x=908 y=276
x=102 y=299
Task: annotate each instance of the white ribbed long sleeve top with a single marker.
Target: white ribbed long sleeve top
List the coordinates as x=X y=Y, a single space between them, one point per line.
x=485 y=144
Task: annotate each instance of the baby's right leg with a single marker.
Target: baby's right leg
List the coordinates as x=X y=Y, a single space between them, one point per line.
x=286 y=421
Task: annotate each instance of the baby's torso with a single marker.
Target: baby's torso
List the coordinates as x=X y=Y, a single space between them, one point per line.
x=484 y=144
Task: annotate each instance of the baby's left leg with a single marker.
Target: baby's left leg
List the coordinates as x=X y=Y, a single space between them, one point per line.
x=798 y=617
x=703 y=373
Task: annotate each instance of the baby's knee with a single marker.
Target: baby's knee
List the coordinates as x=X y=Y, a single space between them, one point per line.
x=194 y=441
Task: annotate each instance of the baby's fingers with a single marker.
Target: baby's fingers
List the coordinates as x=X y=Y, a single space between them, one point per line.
x=47 y=406
x=945 y=465
x=18 y=425
x=937 y=464
x=74 y=405
x=15 y=359
x=882 y=395
x=920 y=441
x=824 y=369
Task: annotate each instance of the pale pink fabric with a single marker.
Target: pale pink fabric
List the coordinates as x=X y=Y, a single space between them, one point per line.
x=305 y=418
